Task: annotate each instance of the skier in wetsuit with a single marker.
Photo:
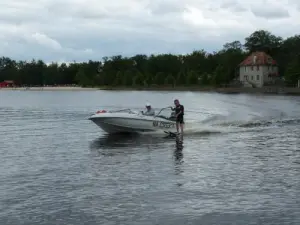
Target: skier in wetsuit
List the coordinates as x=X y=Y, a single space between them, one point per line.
x=179 y=114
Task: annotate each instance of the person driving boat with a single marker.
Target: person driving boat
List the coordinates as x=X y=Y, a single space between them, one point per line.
x=149 y=111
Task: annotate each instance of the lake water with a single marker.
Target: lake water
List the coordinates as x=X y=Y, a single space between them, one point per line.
x=239 y=162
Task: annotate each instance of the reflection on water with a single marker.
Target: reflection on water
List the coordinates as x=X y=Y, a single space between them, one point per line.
x=114 y=140
x=179 y=148
x=178 y=155
x=126 y=141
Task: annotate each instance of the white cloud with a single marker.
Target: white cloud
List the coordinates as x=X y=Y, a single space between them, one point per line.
x=45 y=41
x=90 y=29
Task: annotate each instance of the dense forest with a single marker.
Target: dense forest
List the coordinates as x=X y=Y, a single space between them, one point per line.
x=196 y=68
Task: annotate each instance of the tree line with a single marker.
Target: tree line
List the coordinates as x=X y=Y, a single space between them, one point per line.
x=196 y=68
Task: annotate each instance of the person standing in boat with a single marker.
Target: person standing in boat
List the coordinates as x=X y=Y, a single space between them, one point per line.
x=149 y=111
x=179 y=113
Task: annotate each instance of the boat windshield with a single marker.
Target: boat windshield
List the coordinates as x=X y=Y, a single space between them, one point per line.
x=122 y=110
x=166 y=113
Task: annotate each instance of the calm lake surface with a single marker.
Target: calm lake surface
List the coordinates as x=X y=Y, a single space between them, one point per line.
x=239 y=162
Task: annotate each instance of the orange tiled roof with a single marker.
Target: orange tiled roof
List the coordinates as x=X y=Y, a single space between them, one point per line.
x=258 y=59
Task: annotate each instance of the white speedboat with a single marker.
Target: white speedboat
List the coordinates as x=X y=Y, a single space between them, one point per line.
x=128 y=121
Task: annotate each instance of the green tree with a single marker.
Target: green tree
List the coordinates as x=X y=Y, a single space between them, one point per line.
x=235 y=45
x=192 y=78
x=82 y=79
x=127 y=78
x=138 y=80
x=118 y=79
x=159 y=79
x=170 y=80
x=180 y=79
x=292 y=74
x=262 y=40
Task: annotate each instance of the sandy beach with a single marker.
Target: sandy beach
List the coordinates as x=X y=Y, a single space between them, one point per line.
x=61 y=88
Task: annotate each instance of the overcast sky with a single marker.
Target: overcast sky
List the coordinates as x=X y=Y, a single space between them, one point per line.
x=66 y=30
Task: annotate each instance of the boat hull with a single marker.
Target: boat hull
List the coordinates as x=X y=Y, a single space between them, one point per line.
x=132 y=124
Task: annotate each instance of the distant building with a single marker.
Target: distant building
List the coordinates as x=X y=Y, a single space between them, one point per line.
x=257 y=70
x=7 y=83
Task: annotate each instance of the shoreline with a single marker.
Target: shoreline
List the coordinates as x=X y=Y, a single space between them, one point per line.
x=60 y=88
x=226 y=90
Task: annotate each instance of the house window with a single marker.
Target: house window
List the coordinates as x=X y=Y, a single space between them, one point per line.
x=257 y=77
x=257 y=68
x=252 y=77
x=245 y=68
x=252 y=68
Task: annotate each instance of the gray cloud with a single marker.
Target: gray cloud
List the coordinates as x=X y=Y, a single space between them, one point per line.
x=159 y=7
x=270 y=12
x=233 y=5
x=56 y=30
x=294 y=4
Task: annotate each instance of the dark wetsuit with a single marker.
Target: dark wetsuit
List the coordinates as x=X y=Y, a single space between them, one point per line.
x=179 y=109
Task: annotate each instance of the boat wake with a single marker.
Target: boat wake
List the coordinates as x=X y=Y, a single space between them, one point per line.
x=217 y=124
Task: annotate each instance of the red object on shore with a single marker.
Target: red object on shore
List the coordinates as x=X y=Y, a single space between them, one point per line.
x=6 y=83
